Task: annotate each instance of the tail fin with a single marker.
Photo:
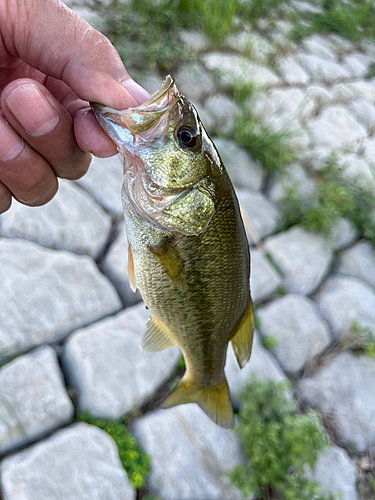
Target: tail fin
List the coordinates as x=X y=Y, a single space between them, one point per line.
x=214 y=401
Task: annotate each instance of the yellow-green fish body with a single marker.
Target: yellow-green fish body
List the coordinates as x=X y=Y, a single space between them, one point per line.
x=188 y=252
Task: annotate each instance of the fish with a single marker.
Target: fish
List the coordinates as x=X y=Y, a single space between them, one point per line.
x=188 y=252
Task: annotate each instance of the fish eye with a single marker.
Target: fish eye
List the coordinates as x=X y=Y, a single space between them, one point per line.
x=187 y=136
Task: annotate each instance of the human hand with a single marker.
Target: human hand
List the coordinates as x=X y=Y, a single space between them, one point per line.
x=51 y=64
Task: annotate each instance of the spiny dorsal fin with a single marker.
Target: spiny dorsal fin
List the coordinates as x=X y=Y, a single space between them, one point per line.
x=171 y=261
x=131 y=275
x=156 y=337
x=214 y=401
x=242 y=340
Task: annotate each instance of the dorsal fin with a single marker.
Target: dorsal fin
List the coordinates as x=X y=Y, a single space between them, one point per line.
x=242 y=339
x=156 y=337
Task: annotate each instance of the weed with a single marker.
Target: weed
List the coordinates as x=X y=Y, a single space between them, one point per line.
x=134 y=460
x=360 y=340
x=270 y=148
x=336 y=198
x=351 y=19
x=269 y=342
x=277 y=443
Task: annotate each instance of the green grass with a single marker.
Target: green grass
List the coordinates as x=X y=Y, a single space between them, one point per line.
x=335 y=198
x=133 y=459
x=351 y=19
x=277 y=442
x=360 y=340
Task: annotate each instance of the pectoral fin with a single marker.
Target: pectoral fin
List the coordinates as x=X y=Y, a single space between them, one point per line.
x=131 y=275
x=242 y=339
x=156 y=337
x=171 y=261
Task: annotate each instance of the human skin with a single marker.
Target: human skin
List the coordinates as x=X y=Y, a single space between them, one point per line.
x=52 y=63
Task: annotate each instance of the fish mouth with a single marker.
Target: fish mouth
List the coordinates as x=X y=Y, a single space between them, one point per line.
x=139 y=121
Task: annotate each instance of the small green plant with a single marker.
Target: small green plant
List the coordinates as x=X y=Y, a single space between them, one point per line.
x=336 y=197
x=277 y=443
x=271 y=149
x=351 y=19
x=134 y=460
x=269 y=342
x=360 y=340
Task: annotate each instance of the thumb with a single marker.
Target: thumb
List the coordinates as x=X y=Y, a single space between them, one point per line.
x=48 y=36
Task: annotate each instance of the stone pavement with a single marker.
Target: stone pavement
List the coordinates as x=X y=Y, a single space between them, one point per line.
x=70 y=326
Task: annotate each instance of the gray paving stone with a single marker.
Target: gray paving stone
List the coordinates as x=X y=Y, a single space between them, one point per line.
x=344 y=300
x=335 y=128
x=364 y=111
x=103 y=181
x=33 y=399
x=357 y=171
x=303 y=257
x=322 y=70
x=357 y=64
x=364 y=88
x=299 y=331
x=105 y=363
x=194 y=40
x=359 y=261
x=235 y=68
x=342 y=44
x=262 y=365
x=219 y=113
x=45 y=294
x=263 y=214
x=341 y=234
x=335 y=473
x=264 y=280
x=255 y=46
x=369 y=149
x=344 y=391
x=243 y=170
x=194 y=82
x=79 y=462
x=71 y=221
x=320 y=46
x=115 y=266
x=201 y=450
x=292 y=101
x=306 y=7
x=296 y=179
x=291 y=71
x=320 y=95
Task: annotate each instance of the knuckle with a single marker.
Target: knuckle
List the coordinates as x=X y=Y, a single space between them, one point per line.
x=78 y=166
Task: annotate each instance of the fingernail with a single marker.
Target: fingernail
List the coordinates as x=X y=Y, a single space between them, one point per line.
x=135 y=90
x=11 y=144
x=32 y=110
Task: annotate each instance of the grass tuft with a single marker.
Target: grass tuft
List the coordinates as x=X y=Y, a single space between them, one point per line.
x=278 y=443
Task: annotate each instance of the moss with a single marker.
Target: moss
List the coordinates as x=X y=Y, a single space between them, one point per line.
x=277 y=442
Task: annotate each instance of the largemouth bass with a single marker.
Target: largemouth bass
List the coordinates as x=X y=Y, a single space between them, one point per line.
x=188 y=251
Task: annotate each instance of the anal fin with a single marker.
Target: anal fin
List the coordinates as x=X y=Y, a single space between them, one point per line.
x=242 y=339
x=214 y=401
x=171 y=261
x=156 y=337
x=131 y=274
